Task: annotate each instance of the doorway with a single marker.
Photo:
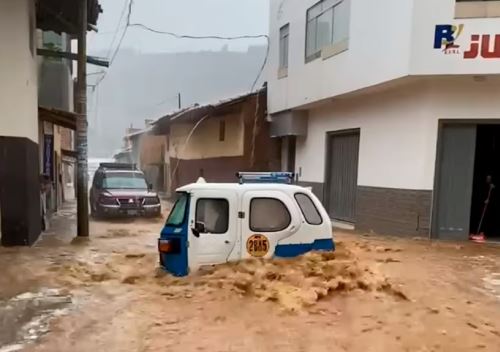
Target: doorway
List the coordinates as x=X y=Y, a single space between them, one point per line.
x=467 y=177
x=342 y=155
x=485 y=207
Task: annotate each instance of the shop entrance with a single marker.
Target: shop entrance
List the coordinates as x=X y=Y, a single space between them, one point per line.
x=467 y=197
x=485 y=207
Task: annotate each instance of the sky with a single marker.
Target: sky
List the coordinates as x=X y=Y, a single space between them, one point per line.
x=192 y=17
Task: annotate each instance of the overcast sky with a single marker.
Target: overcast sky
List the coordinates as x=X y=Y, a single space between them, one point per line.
x=192 y=17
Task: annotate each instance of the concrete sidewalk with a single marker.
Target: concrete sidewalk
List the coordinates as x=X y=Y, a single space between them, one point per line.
x=62 y=226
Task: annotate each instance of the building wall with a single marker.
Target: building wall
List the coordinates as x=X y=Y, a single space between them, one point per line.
x=67 y=139
x=242 y=150
x=204 y=143
x=55 y=86
x=154 y=160
x=153 y=149
x=398 y=144
x=18 y=83
x=388 y=39
x=427 y=60
x=386 y=119
x=369 y=37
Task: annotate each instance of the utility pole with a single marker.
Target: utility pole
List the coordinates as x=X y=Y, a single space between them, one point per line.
x=81 y=126
x=179 y=100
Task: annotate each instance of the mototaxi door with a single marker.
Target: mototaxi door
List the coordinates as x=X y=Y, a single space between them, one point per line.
x=213 y=227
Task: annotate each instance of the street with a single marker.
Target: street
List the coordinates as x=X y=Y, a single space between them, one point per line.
x=374 y=294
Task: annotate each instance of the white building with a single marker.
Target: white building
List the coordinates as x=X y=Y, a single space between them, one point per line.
x=390 y=109
x=35 y=95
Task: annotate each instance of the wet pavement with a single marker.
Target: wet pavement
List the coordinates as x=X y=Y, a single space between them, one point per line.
x=375 y=294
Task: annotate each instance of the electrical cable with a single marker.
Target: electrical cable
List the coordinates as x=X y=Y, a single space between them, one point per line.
x=240 y=37
x=117 y=29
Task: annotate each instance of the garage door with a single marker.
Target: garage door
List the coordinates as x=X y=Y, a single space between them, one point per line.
x=342 y=174
x=455 y=171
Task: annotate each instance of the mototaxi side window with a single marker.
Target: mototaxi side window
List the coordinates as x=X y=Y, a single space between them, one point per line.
x=268 y=215
x=308 y=209
x=178 y=213
x=214 y=214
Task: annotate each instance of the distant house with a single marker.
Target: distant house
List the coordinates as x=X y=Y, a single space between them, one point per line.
x=217 y=140
x=126 y=153
x=149 y=152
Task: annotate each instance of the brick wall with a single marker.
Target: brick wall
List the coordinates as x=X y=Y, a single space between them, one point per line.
x=393 y=211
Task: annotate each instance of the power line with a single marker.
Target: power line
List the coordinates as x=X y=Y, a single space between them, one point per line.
x=184 y=36
x=130 y=4
x=115 y=53
x=263 y=65
x=117 y=29
x=96 y=73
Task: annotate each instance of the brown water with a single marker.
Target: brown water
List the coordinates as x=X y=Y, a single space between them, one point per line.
x=374 y=294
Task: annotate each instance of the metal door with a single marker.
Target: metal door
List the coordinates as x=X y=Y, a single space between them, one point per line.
x=214 y=247
x=455 y=173
x=342 y=175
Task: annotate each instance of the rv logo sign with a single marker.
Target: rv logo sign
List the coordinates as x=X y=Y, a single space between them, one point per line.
x=446 y=37
x=484 y=46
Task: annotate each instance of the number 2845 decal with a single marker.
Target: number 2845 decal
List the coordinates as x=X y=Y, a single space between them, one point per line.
x=258 y=245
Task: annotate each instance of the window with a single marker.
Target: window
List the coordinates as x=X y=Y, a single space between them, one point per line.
x=268 y=215
x=214 y=214
x=98 y=180
x=477 y=8
x=222 y=130
x=178 y=213
x=327 y=25
x=308 y=209
x=284 y=44
x=124 y=180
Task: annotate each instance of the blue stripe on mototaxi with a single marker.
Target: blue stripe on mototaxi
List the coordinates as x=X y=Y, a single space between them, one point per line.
x=294 y=250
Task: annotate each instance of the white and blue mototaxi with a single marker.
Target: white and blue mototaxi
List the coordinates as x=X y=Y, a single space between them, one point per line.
x=263 y=216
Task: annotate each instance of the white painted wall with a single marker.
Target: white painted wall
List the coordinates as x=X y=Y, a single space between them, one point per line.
x=398 y=129
x=389 y=39
x=18 y=70
x=378 y=51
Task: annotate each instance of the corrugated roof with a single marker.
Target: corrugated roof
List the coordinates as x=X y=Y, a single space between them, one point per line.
x=139 y=133
x=198 y=111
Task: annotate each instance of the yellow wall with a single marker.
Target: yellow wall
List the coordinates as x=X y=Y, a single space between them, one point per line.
x=152 y=149
x=57 y=139
x=204 y=143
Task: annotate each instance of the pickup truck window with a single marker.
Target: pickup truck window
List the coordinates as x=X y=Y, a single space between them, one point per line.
x=124 y=180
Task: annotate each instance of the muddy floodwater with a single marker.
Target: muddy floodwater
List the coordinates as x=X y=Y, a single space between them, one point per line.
x=374 y=294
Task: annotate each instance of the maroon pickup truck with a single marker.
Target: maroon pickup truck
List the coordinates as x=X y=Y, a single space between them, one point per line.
x=121 y=190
